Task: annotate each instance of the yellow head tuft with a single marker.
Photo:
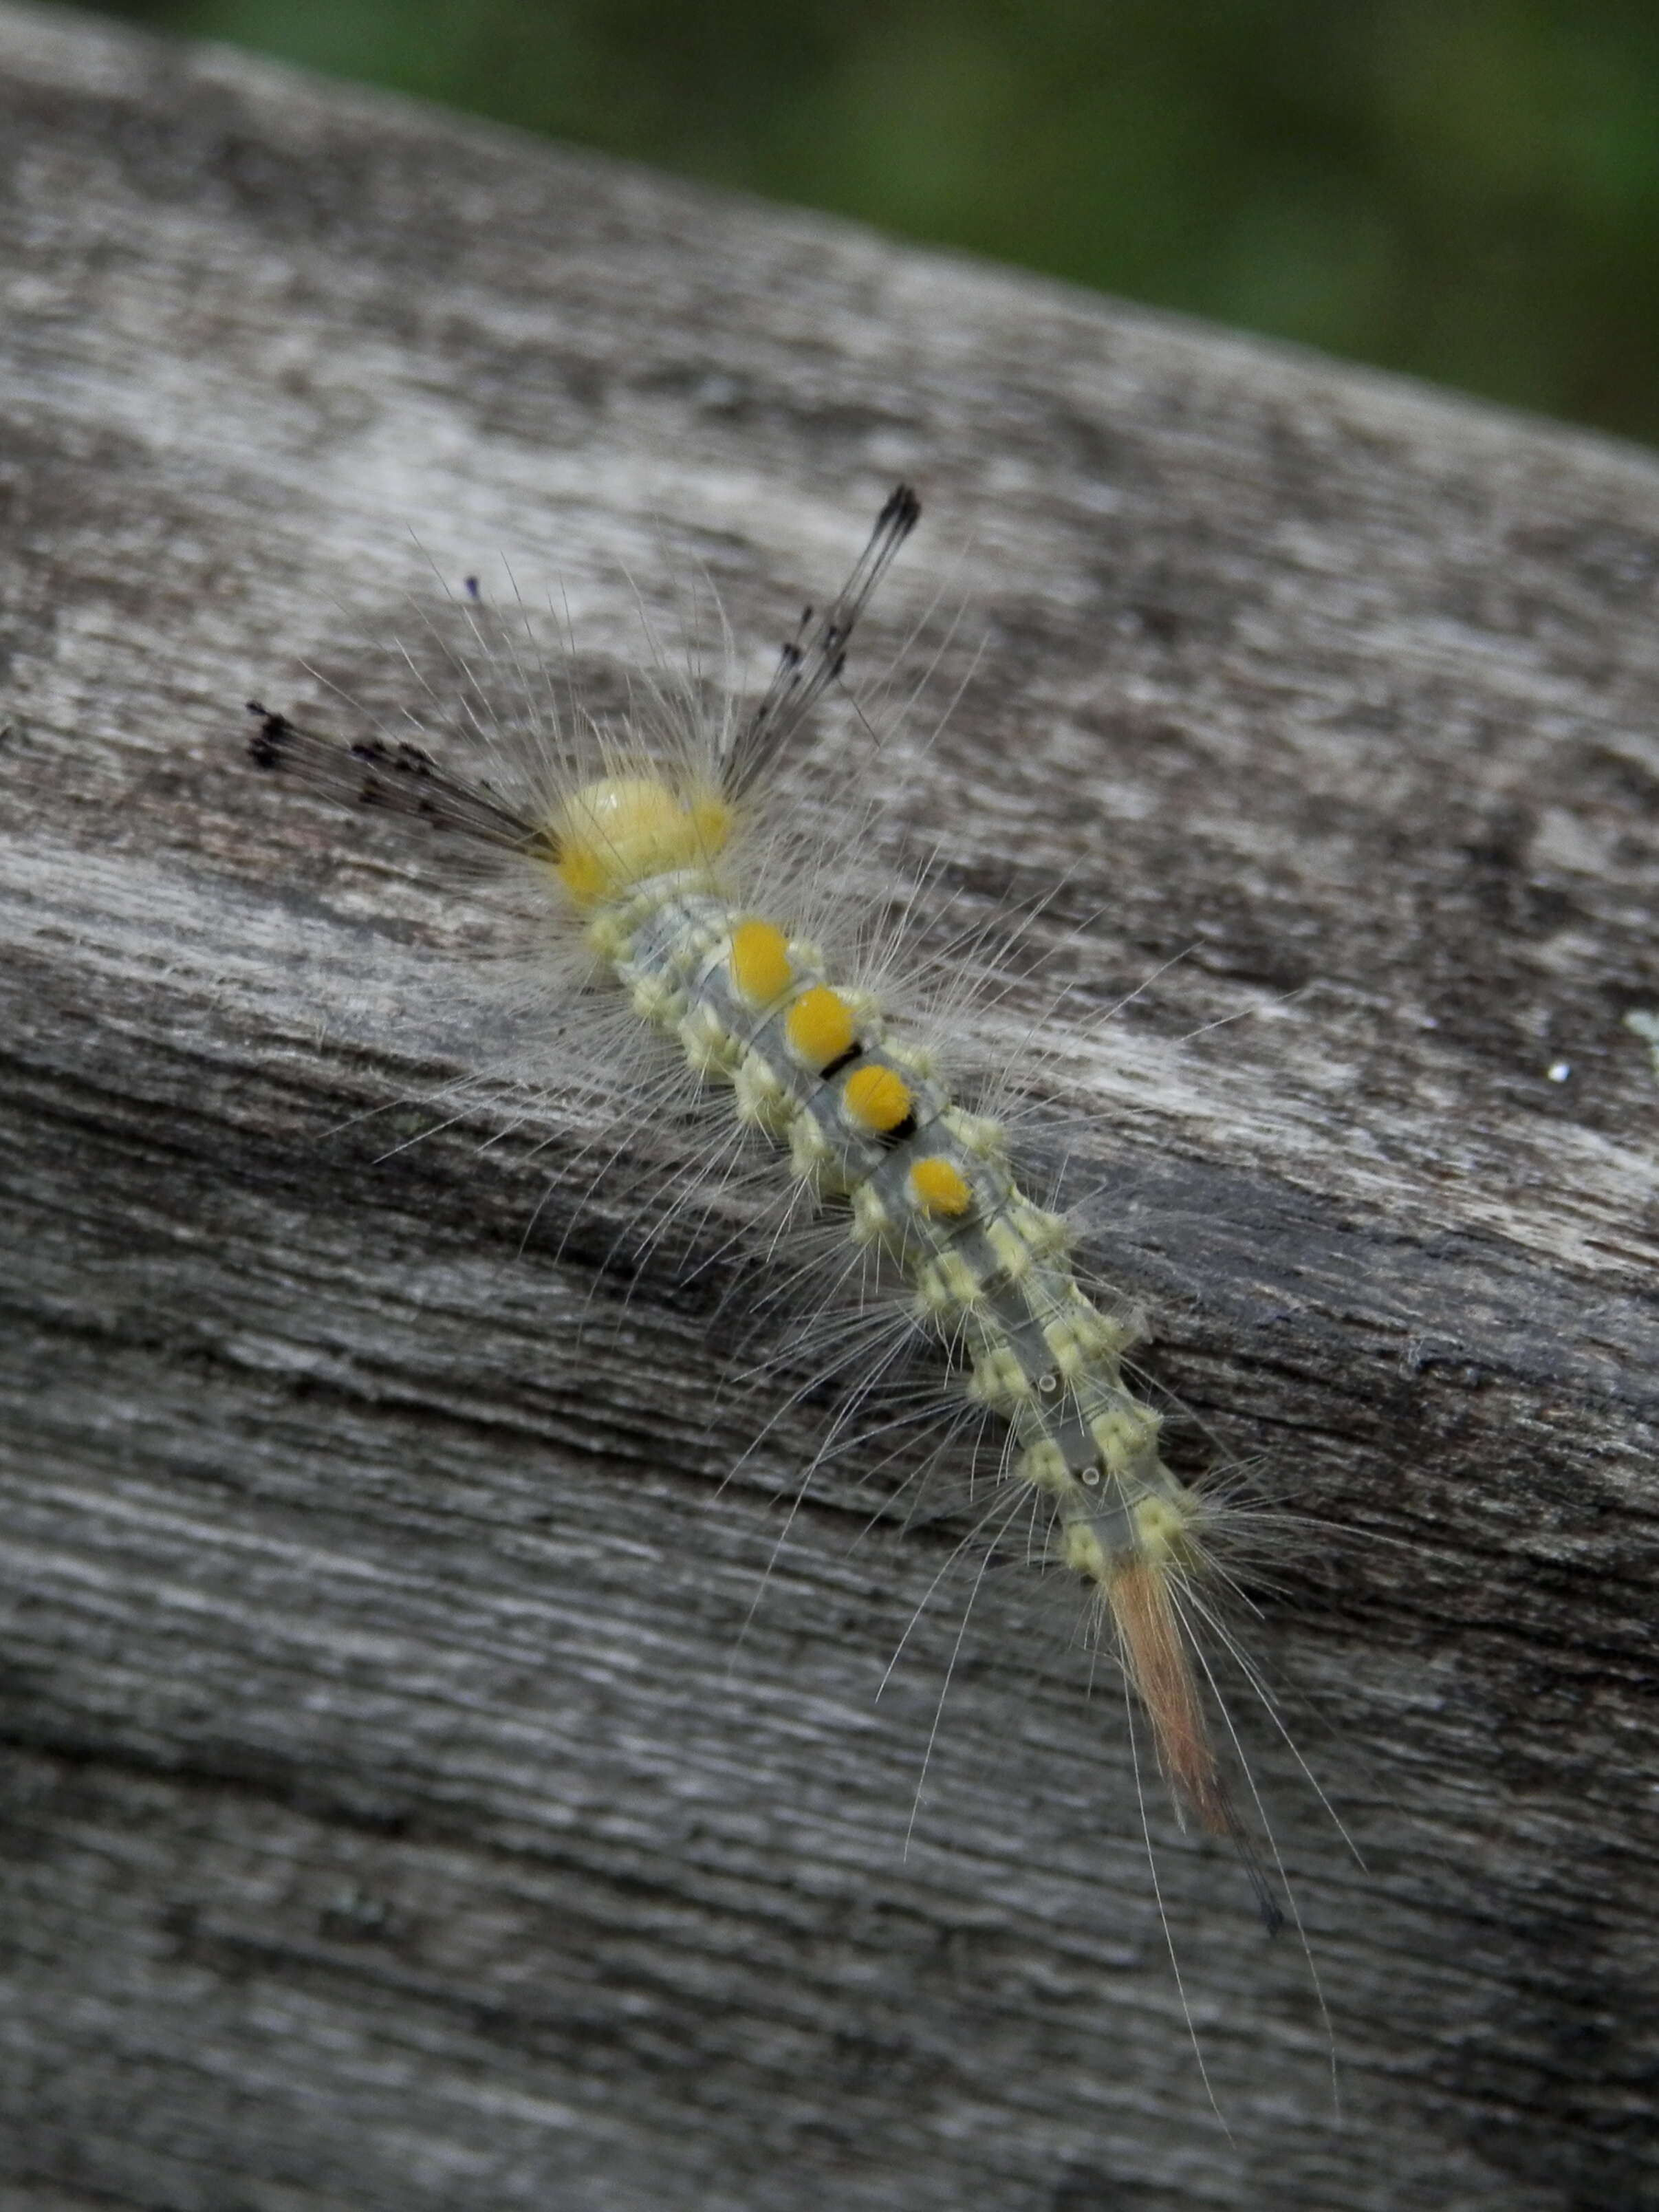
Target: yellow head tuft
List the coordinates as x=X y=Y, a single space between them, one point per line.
x=615 y=833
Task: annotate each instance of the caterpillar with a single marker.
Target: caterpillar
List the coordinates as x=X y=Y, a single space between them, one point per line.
x=645 y=840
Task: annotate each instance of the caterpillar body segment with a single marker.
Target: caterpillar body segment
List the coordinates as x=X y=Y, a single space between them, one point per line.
x=641 y=840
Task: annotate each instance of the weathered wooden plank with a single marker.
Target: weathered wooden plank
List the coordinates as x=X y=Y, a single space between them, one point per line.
x=388 y=1821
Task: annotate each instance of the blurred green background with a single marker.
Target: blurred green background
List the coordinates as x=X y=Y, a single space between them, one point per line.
x=1466 y=189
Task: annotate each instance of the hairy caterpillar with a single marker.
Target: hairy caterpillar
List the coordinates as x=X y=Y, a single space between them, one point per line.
x=647 y=838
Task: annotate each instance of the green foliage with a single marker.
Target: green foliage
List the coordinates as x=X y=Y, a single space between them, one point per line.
x=1466 y=189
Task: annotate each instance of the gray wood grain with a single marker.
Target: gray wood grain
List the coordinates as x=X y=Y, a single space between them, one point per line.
x=396 y=1813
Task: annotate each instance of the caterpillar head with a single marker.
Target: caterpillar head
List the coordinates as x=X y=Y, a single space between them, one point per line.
x=622 y=829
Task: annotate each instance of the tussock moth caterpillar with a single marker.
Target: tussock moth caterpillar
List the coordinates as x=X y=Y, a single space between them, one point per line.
x=665 y=878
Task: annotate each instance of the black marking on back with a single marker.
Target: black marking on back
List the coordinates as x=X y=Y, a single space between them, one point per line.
x=855 y=1051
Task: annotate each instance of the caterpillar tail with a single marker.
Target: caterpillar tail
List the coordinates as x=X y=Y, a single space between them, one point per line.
x=1156 y=1657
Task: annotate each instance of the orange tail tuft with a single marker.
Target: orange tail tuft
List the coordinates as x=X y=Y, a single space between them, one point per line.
x=1154 y=1653
x=1159 y=1665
